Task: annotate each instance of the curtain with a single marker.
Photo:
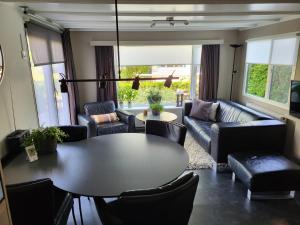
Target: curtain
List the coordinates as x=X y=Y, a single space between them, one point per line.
x=70 y=74
x=105 y=68
x=45 y=45
x=208 y=85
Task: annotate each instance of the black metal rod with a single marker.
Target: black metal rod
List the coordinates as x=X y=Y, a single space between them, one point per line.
x=232 y=74
x=118 y=39
x=116 y=79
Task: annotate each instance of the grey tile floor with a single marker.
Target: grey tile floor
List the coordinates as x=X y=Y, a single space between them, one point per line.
x=219 y=201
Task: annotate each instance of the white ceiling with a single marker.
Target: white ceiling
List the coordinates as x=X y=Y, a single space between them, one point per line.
x=138 y=17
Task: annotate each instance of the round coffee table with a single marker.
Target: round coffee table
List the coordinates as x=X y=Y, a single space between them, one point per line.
x=105 y=165
x=164 y=116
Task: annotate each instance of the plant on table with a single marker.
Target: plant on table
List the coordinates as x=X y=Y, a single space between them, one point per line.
x=156 y=108
x=45 y=139
x=154 y=96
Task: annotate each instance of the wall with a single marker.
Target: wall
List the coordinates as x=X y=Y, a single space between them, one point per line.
x=16 y=90
x=293 y=143
x=84 y=53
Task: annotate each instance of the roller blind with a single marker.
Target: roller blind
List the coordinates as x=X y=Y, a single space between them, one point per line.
x=284 y=51
x=258 y=51
x=45 y=45
x=155 y=55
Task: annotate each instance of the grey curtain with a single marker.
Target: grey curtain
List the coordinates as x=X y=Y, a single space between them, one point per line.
x=105 y=68
x=209 y=72
x=70 y=74
x=45 y=45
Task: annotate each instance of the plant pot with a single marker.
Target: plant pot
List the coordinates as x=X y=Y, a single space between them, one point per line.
x=129 y=104
x=155 y=112
x=46 y=146
x=121 y=104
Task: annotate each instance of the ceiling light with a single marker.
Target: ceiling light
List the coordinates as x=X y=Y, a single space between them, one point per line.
x=168 y=81
x=153 y=24
x=136 y=83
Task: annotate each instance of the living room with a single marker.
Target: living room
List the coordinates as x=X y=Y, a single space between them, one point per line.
x=91 y=73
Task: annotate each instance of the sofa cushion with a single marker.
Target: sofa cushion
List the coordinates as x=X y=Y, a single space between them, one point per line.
x=265 y=172
x=200 y=131
x=111 y=128
x=201 y=110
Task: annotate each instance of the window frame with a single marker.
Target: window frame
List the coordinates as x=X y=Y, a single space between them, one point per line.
x=266 y=98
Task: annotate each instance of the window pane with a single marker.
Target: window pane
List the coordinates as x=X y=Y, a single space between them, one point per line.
x=281 y=77
x=258 y=52
x=62 y=100
x=44 y=95
x=168 y=94
x=284 y=51
x=257 y=79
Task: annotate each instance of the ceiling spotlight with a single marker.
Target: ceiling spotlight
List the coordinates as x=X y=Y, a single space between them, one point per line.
x=186 y=22
x=172 y=23
x=136 y=83
x=168 y=81
x=153 y=24
x=63 y=86
x=102 y=84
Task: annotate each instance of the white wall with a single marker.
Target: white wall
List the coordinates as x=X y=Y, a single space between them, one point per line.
x=293 y=143
x=84 y=54
x=17 y=77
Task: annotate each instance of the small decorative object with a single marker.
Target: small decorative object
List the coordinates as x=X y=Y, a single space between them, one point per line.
x=156 y=109
x=31 y=153
x=154 y=96
x=145 y=112
x=121 y=96
x=1 y=65
x=44 y=139
x=179 y=97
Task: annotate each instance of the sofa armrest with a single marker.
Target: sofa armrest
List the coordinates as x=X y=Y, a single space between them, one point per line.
x=260 y=135
x=128 y=118
x=91 y=125
x=187 y=108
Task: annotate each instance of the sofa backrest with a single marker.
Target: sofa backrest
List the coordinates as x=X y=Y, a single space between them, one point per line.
x=233 y=112
x=96 y=108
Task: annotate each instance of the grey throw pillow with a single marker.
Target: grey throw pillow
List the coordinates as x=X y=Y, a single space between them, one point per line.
x=201 y=110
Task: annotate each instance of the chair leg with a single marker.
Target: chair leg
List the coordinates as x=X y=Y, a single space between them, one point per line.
x=80 y=211
x=73 y=214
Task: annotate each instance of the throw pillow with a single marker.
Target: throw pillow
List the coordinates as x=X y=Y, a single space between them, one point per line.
x=201 y=110
x=213 y=111
x=105 y=118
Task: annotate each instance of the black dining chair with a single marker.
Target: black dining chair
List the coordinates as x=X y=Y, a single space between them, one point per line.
x=167 y=205
x=75 y=133
x=39 y=203
x=172 y=130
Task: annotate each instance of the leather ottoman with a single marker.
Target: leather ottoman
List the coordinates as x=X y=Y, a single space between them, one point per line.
x=266 y=175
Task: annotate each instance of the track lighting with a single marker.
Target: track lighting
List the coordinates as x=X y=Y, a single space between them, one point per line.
x=169 y=20
x=136 y=83
x=168 y=81
x=63 y=86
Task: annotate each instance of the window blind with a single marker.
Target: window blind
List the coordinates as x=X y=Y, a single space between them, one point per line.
x=258 y=51
x=45 y=45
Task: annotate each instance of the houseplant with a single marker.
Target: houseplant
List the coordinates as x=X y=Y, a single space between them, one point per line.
x=45 y=139
x=156 y=108
x=130 y=95
x=121 y=95
x=154 y=96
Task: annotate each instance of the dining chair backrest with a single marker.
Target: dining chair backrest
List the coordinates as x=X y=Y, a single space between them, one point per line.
x=173 y=131
x=74 y=132
x=32 y=203
x=167 y=205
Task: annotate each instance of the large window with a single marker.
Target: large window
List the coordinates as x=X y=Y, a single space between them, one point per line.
x=270 y=65
x=47 y=62
x=159 y=61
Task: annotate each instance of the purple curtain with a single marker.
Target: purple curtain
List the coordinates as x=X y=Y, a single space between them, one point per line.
x=209 y=75
x=70 y=74
x=105 y=68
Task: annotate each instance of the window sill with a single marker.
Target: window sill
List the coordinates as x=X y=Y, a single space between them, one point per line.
x=147 y=107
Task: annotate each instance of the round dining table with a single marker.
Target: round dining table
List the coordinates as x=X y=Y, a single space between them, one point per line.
x=105 y=165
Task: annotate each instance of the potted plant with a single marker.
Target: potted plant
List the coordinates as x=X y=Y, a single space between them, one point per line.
x=130 y=96
x=44 y=139
x=121 y=96
x=154 y=96
x=156 y=108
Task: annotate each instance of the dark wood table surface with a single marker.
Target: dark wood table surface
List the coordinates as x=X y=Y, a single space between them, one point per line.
x=106 y=165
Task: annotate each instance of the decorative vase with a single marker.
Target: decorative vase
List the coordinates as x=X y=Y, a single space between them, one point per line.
x=46 y=146
x=155 y=112
x=129 y=104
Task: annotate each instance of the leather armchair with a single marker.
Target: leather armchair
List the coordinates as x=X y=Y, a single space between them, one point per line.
x=126 y=123
x=39 y=202
x=169 y=204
